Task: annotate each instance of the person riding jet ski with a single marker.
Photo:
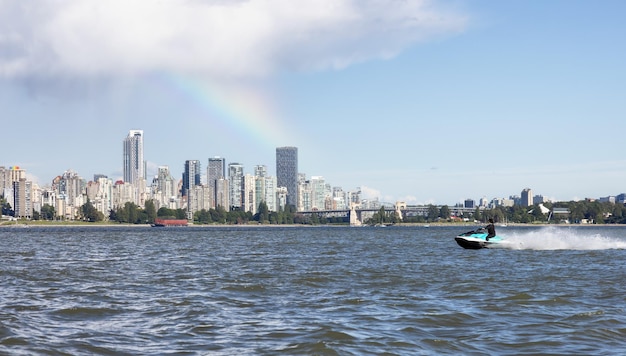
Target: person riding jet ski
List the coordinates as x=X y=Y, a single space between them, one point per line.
x=491 y=230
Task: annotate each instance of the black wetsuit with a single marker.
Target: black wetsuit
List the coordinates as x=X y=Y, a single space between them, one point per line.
x=491 y=231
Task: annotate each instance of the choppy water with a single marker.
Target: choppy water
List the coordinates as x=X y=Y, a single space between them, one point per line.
x=305 y=291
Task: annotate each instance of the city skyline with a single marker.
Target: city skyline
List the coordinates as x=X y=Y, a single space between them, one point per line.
x=422 y=101
x=192 y=174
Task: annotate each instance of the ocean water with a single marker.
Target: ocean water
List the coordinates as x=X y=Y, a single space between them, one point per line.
x=310 y=291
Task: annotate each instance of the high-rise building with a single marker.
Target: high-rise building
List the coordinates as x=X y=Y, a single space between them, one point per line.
x=163 y=188
x=22 y=196
x=265 y=188
x=70 y=187
x=260 y=170
x=215 y=171
x=191 y=176
x=287 y=172
x=249 y=199
x=134 y=165
x=235 y=176
x=221 y=192
x=527 y=197
x=8 y=176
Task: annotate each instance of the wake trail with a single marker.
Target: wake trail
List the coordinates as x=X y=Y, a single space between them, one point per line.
x=562 y=239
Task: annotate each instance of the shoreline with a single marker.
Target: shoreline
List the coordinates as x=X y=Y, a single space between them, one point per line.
x=422 y=225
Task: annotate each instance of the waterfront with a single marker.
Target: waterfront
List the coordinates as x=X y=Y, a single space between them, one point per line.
x=316 y=290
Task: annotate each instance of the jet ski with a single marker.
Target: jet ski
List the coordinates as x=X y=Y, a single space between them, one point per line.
x=477 y=239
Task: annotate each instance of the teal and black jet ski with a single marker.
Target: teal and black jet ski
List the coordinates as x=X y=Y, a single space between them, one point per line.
x=477 y=239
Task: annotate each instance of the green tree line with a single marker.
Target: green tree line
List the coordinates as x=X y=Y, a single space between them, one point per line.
x=593 y=211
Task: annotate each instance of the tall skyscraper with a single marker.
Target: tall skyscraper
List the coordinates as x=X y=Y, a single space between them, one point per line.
x=191 y=176
x=70 y=186
x=287 y=172
x=134 y=165
x=527 y=197
x=260 y=170
x=22 y=197
x=235 y=176
x=215 y=171
x=165 y=183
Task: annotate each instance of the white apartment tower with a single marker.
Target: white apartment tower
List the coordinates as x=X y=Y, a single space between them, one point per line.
x=235 y=176
x=134 y=165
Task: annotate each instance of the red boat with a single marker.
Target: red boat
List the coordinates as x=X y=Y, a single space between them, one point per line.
x=169 y=222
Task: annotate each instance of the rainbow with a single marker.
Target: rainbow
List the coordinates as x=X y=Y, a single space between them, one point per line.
x=246 y=112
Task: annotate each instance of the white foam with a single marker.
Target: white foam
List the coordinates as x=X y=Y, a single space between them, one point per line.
x=552 y=238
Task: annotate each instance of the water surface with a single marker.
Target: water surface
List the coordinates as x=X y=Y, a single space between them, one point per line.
x=314 y=290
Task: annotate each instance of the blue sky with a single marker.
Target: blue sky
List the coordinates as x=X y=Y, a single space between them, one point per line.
x=420 y=101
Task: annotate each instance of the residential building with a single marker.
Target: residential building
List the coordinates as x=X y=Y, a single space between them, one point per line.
x=22 y=196
x=222 y=193
x=287 y=172
x=10 y=175
x=215 y=171
x=249 y=200
x=281 y=198
x=320 y=193
x=134 y=164
x=163 y=187
x=235 y=176
x=191 y=176
x=70 y=187
x=270 y=193
x=199 y=199
x=526 y=197
x=121 y=194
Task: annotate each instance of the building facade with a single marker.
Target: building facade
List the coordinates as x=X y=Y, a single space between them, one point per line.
x=134 y=164
x=287 y=172
x=526 y=197
x=22 y=196
x=215 y=171
x=191 y=176
x=235 y=177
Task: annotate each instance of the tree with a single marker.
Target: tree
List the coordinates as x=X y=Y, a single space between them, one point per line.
x=202 y=217
x=218 y=215
x=165 y=212
x=47 y=212
x=180 y=214
x=150 y=210
x=263 y=215
x=113 y=215
x=128 y=213
x=90 y=213
x=433 y=213
x=6 y=208
x=477 y=215
x=444 y=212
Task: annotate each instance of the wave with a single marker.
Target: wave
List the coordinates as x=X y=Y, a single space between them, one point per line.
x=551 y=238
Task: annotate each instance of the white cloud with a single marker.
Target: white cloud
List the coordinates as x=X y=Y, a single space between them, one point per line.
x=214 y=38
x=409 y=199
x=370 y=193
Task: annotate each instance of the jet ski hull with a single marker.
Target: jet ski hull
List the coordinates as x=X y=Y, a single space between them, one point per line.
x=476 y=240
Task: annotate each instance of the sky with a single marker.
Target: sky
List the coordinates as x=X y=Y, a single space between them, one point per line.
x=421 y=101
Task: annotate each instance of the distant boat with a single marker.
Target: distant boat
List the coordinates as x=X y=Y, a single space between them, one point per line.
x=383 y=224
x=169 y=222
